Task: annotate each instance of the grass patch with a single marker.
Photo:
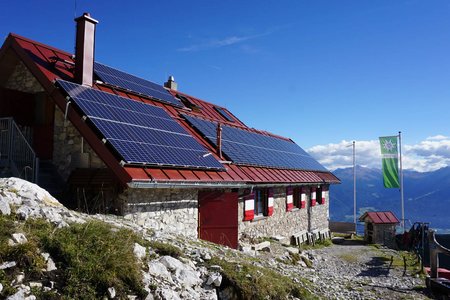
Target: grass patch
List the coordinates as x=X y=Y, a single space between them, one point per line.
x=164 y=248
x=90 y=257
x=349 y=257
x=317 y=245
x=93 y=258
x=252 y=282
x=400 y=259
x=25 y=255
x=307 y=261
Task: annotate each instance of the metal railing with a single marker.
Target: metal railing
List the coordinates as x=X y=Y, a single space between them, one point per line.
x=435 y=249
x=17 y=152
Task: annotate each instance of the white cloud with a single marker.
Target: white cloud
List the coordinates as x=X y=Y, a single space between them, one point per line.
x=217 y=43
x=231 y=40
x=428 y=155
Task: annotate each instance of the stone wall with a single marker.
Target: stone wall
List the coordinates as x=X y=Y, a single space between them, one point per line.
x=67 y=148
x=282 y=222
x=320 y=215
x=22 y=80
x=173 y=210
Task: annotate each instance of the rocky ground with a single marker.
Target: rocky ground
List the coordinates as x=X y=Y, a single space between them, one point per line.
x=355 y=271
x=349 y=270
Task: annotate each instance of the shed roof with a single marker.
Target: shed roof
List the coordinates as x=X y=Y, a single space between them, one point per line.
x=47 y=64
x=380 y=217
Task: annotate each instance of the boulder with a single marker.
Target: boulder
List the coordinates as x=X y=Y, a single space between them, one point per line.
x=51 y=265
x=139 y=251
x=261 y=246
x=19 y=295
x=7 y=265
x=19 y=278
x=5 y=209
x=171 y=263
x=34 y=284
x=187 y=277
x=158 y=269
x=292 y=250
x=214 y=279
x=19 y=238
x=166 y=294
x=111 y=293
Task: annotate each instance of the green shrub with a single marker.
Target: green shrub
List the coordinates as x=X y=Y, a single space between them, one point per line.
x=252 y=282
x=165 y=249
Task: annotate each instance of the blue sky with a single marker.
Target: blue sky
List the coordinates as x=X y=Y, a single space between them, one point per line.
x=323 y=73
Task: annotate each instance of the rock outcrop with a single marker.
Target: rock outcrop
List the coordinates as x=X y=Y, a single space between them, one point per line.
x=192 y=275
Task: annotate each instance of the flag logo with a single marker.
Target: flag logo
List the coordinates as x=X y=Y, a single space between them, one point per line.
x=389 y=145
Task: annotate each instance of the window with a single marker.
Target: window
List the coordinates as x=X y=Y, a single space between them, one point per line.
x=319 y=195
x=224 y=113
x=189 y=104
x=298 y=197
x=261 y=199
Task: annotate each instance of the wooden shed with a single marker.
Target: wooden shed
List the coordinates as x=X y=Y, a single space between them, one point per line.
x=379 y=227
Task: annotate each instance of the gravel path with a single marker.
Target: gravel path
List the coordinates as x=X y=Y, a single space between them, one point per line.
x=354 y=271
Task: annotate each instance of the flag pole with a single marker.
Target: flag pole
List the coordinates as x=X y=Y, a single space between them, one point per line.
x=401 y=180
x=354 y=186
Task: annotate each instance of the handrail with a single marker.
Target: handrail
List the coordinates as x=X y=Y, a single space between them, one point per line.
x=435 y=249
x=19 y=153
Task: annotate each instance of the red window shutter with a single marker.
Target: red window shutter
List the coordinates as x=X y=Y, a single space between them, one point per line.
x=303 y=198
x=289 y=199
x=313 y=196
x=324 y=194
x=249 y=207
x=270 y=203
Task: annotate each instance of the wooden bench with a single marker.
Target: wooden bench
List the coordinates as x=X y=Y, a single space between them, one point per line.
x=300 y=238
x=343 y=228
x=310 y=237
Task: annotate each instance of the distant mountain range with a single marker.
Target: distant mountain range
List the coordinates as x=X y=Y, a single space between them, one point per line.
x=427 y=196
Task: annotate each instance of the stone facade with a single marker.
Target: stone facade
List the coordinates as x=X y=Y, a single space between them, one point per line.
x=67 y=143
x=174 y=210
x=282 y=222
x=22 y=80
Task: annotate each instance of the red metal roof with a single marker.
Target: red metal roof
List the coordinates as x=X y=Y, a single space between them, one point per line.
x=48 y=63
x=380 y=217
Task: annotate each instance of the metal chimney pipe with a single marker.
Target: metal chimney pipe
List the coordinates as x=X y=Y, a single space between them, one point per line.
x=84 y=49
x=219 y=140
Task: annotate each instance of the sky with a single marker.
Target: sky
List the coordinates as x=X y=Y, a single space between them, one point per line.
x=323 y=73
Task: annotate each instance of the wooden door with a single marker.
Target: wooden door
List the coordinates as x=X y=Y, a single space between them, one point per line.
x=218 y=217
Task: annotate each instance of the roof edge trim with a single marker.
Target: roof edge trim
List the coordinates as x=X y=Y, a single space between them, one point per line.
x=183 y=184
x=137 y=184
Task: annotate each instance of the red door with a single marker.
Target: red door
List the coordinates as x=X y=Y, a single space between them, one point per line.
x=218 y=217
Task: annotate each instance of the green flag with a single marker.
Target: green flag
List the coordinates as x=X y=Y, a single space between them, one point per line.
x=389 y=158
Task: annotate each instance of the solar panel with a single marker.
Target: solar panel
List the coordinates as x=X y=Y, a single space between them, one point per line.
x=140 y=133
x=135 y=84
x=250 y=148
x=224 y=113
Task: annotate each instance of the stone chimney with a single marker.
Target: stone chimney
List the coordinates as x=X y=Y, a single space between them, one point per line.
x=84 y=49
x=171 y=84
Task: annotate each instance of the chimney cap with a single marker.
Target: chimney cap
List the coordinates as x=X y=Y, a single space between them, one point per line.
x=171 y=84
x=86 y=16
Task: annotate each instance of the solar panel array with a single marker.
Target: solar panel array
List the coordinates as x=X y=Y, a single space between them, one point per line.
x=139 y=132
x=249 y=148
x=135 y=84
